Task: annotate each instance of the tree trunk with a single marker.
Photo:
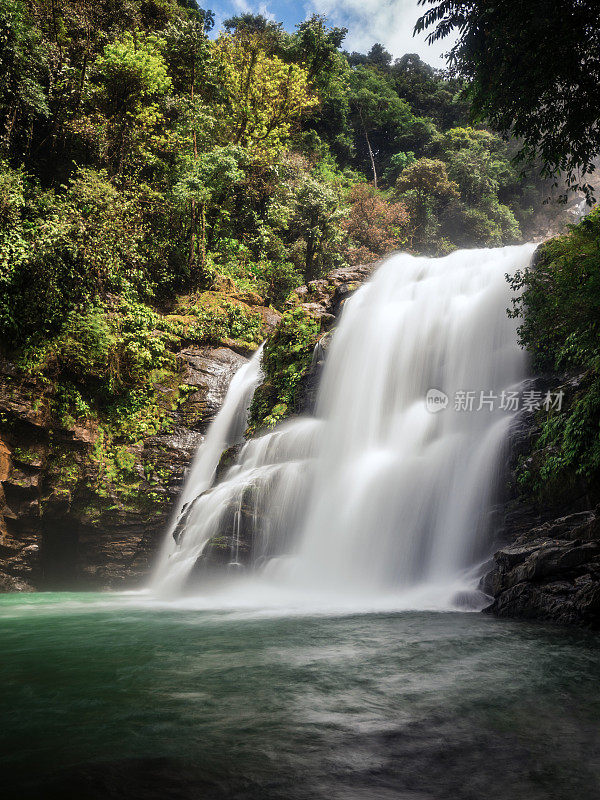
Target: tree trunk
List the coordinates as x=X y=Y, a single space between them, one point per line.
x=202 y=237
x=192 y=96
x=310 y=258
x=197 y=248
x=372 y=160
x=192 y=249
x=370 y=149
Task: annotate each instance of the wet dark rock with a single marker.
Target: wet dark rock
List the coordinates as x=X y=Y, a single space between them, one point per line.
x=209 y=370
x=323 y=299
x=62 y=524
x=309 y=384
x=227 y=460
x=551 y=572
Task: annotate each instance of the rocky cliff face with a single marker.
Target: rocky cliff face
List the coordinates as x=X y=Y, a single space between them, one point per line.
x=65 y=520
x=323 y=300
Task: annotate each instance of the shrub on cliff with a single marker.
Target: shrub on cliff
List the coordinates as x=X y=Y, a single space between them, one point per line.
x=107 y=351
x=286 y=358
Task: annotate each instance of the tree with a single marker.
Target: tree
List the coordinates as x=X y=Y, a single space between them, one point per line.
x=252 y=24
x=426 y=190
x=261 y=97
x=379 y=116
x=378 y=56
x=534 y=72
x=207 y=179
x=316 y=47
x=477 y=161
x=376 y=227
x=130 y=76
x=23 y=99
x=316 y=220
x=60 y=253
x=269 y=35
x=429 y=92
x=398 y=163
x=188 y=51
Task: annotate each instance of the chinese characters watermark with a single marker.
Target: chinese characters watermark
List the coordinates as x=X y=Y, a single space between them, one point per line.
x=436 y=400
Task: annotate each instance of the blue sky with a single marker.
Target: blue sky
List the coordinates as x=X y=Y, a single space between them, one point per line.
x=390 y=22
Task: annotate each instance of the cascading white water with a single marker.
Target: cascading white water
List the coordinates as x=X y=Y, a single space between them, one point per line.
x=377 y=494
x=227 y=429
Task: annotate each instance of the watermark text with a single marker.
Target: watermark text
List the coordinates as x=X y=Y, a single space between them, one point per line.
x=436 y=400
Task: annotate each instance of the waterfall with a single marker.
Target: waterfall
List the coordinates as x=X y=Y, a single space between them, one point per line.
x=388 y=489
x=226 y=430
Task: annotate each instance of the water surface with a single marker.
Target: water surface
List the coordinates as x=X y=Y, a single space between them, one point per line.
x=105 y=697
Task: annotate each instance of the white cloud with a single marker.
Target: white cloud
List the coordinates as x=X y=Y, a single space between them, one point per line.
x=390 y=22
x=264 y=11
x=242 y=6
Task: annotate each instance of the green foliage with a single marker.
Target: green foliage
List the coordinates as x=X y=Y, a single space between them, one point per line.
x=426 y=190
x=560 y=299
x=129 y=72
x=279 y=279
x=187 y=52
x=428 y=94
x=316 y=218
x=455 y=198
x=215 y=318
x=212 y=175
x=130 y=78
x=59 y=252
x=190 y=145
x=384 y=122
x=105 y=352
x=559 y=304
x=22 y=73
x=262 y=96
x=87 y=346
x=286 y=358
x=398 y=163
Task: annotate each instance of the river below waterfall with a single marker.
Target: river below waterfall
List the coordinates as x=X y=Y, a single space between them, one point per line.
x=108 y=696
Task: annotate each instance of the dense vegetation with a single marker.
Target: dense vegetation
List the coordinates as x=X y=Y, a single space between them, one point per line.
x=559 y=303
x=152 y=178
x=533 y=70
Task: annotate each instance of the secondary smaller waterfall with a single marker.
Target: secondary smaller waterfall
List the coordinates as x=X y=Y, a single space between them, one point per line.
x=376 y=495
x=226 y=430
